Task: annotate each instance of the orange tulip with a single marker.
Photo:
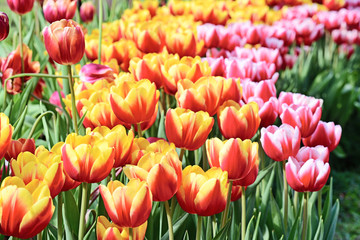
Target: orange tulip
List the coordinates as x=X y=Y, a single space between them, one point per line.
x=203 y=193
x=87 y=158
x=232 y=90
x=46 y=167
x=6 y=131
x=127 y=206
x=238 y=122
x=182 y=41
x=203 y=95
x=134 y=102
x=187 y=129
x=239 y=158
x=25 y=209
x=117 y=139
x=106 y=230
x=162 y=172
x=147 y=36
x=64 y=41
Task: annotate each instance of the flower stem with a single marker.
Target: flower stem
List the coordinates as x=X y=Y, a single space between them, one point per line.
x=182 y=151
x=198 y=228
x=73 y=104
x=285 y=197
x=84 y=203
x=60 y=218
x=139 y=130
x=228 y=201
x=37 y=122
x=130 y=233
x=296 y=198
x=320 y=203
x=100 y=28
x=205 y=161
x=169 y=218
x=243 y=213
x=39 y=236
x=305 y=213
x=21 y=47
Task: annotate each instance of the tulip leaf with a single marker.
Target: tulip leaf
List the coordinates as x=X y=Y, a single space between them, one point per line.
x=328 y=203
x=259 y=178
x=8 y=107
x=71 y=212
x=161 y=128
x=91 y=228
x=224 y=231
x=19 y=124
x=249 y=228
x=51 y=232
x=256 y=230
x=178 y=226
x=186 y=236
x=80 y=124
x=29 y=34
x=320 y=231
x=330 y=232
x=276 y=220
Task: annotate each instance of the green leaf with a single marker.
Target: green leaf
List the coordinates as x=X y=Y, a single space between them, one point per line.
x=259 y=178
x=71 y=213
x=256 y=231
x=249 y=228
x=19 y=124
x=330 y=232
x=161 y=129
x=90 y=231
x=223 y=232
x=320 y=231
x=294 y=229
x=177 y=226
x=276 y=216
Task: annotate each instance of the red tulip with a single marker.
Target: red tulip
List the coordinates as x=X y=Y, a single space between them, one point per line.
x=4 y=26
x=21 y=6
x=87 y=11
x=64 y=41
x=55 y=10
x=18 y=146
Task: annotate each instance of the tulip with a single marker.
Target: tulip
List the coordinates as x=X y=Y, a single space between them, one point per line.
x=18 y=146
x=4 y=26
x=210 y=34
x=134 y=102
x=147 y=37
x=6 y=131
x=55 y=99
x=106 y=230
x=117 y=139
x=264 y=90
x=279 y=143
x=127 y=206
x=326 y=133
x=187 y=129
x=87 y=11
x=318 y=153
x=182 y=42
x=268 y=111
x=232 y=90
x=93 y=72
x=203 y=95
x=162 y=171
x=307 y=175
x=246 y=120
x=25 y=209
x=45 y=167
x=217 y=66
x=211 y=13
x=87 y=158
x=55 y=10
x=239 y=158
x=298 y=99
x=302 y=117
x=203 y=193
x=64 y=41
x=21 y=6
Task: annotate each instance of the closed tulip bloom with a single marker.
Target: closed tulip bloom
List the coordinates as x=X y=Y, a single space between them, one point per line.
x=307 y=176
x=236 y=192
x=21 y=6
x=264 y=90
x=46 y=167
x=25 y=209
x=203 y=95
x=134 y=102
x=302 y=117
x=93 y=72
x=237 y=121
x=4 y=26
x=87 y=158
x=232 y=90
x=187 y=129
x=18 y=146
x=182 y=42
x=326 y=133
x=279 y=143
x=210 y=34
x=6 y=131
x=106 y=230
x=298 y=99
x=119 y=140
x=147 y=37
x=64 y=41
x=87 y=11
x=317 y=153
x=162 y=171
x=235 y=156
x=55 y=10
x=127 y=206
x=203 y=193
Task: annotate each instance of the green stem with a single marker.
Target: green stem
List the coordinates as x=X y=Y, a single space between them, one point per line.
x=73 y=103
x=84 y=203
x=100 y=28
x=37 y=23
x=205 y=161
x=243 y=213
x=173 y=202
x=130 y=233
x=39 y=236
x=21 y=47
x=40 y=75
x=5 y=95
x=198 y=228
x=228 y=201
x=305 y=213
x=296 y=198
x=163 y=100
x=60 y=218
x=285 y=197
x=37 y=122
x=169 y=219
x=182 y=151
x=320 y=203
x=139 y=130
x=214 y=225
x=113 y=174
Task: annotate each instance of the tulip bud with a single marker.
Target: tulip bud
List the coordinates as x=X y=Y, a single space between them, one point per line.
x=18 y=146
x=87 y=11
x=4 y=26
x=55 y=10
x=21 y=6
x=64 y=41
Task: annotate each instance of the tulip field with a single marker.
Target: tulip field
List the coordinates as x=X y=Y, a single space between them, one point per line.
x=179 y=119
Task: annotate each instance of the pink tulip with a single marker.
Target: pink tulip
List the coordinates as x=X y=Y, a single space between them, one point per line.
x=87 y=11
x=21 y=6
x=267 y=110
x=210 y=34
x=326 y=134
x=280 y=143
x=264 y=90
x=93 y=72
x=317 y=153
x=298 y=99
